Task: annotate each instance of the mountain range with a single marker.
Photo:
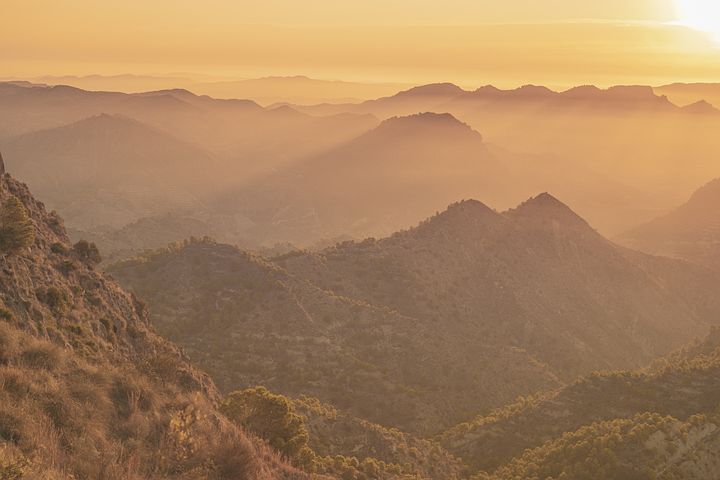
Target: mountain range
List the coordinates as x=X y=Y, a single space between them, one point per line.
x=460 y=314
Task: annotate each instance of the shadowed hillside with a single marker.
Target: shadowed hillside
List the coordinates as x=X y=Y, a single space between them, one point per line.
x=460 y=314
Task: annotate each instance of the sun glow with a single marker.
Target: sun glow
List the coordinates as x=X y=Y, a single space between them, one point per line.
x=703 y=15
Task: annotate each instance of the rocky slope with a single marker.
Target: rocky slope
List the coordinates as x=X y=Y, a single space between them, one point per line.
x=87 y=389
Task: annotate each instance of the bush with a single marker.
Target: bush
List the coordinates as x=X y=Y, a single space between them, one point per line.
x=87 y=252
x=16 y=229
x=58 y=248
x=269 y=416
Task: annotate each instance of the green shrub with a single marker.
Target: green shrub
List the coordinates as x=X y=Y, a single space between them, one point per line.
x=16 y=229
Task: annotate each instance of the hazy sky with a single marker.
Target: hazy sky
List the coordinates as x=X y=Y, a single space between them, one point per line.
x=467 y=41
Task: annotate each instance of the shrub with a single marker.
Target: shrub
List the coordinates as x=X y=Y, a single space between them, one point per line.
x=269 y=416
x=87 y=252
x=16 y=229
x=58 y=248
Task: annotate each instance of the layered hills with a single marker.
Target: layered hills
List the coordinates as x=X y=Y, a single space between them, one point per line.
x=653 y=423
x=397 y=173
x=463 y=313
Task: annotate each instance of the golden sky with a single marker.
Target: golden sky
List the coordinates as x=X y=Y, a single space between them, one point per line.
x=471 y=42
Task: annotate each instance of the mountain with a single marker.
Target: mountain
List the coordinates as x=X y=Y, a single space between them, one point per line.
x=251 y=138
x=373 y=184
x=691 y=231
x=395 y=174
x=367 y=360
x=297 y=89
x=631 y=134
x=451 y=98
x=418 y=330
x=87 y=389
x=110 y=170
x=662 y=420
x=688 y=93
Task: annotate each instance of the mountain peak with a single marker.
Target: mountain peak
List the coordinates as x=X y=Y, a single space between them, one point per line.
x=545 y=208
x=466 y=215
x=434 y=90
x=707 y=195
x=426 y=119
x=701 y=107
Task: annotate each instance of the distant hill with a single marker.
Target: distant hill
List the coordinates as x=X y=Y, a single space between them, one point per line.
x=398 y=173
x=296 y=89
x=87 y=389
x=110 y=170
x=691 y=231
x=462 y=313
x=662 y=420
x=629 y=133
x=249 y=137
x=689 y=93
x=266 y=90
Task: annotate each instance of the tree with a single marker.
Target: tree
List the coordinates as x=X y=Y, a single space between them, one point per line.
x=270 y=417
x=87 y=252
x=16 y=228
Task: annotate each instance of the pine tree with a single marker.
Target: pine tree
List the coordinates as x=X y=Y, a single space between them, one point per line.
x=16 y=229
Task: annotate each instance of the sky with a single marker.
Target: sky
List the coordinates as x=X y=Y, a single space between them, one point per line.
x=470 y=42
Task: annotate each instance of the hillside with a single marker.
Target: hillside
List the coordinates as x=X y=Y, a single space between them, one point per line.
x=87 y=389
x=263 y=326
x=421 y=329
x=691 y=231
x=536 y=277
x=636 y=416
x=325 y=440
x=108 y=171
